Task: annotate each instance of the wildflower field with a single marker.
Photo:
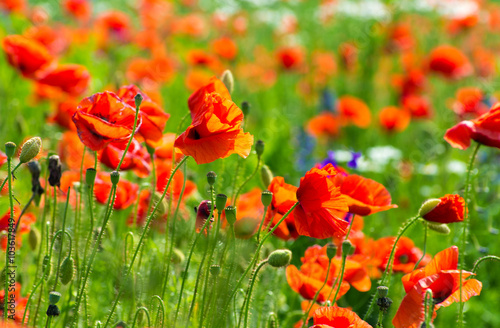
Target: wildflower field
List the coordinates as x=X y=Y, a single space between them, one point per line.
x=237 y=163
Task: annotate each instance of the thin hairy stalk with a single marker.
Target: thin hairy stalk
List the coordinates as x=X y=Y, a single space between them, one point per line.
x=306 y=314
x=131 y=137
x=11 y=221
x=11 y=174
x=145 y=310
x=161 y=307
x=62 y=239
x=261 y=223
x=235 y=198
x=482 y=259
x=250 y=289
x=424 y=249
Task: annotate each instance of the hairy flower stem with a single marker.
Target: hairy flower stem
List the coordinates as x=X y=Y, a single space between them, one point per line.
x=235 y=198
x=145 y=310
x=388 y=269
x=261 y=224
x=306 y=314
x=161 y=307
x=11 y=174
x=464 y=233
x=54 y=210
x=62 y=239
x=205 y=226
x=250 y=265
x=425 y=247
x=248 y=298
x=141 y=239
x=11 y=221
x=484 y=258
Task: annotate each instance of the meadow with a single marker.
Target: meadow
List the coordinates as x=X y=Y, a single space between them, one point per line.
x=242 y=163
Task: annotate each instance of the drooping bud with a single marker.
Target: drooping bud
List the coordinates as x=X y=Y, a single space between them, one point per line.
x=230 y=214
x=211 y=177
x=115 y=177
x=228 y=80
x=162 y=207
x=34 y=237
x=178 y=256
x=10 y=149
x=67 y=270
x=428 y=206
x=30 y=149
x=266 y=197
x=55 y=171
x=138 y=100
x=347 y=248
x=331 y=250
x=36 y=186
x=215 y=270
x=259 y=147
x=441 y=228
x=245 y=108
x=272 y=321
x=90 y=176
x=279 y=258
x=266 y=175
x=220 y=202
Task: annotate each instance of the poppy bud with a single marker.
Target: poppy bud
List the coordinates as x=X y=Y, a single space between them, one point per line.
x=441 y=228
x=55 y=168
x=428 y=206
x=211 y=177
x=10 y=149
x=266 y=175
x=272 y=321
x=162 y=206
x=67 y=270
x=228 y=80
x=279 y=258
x=36 y=187
x=220 y=202
x=215 y=270
x=331 y=250
x=178 y=256
x=54 y=297
x=382 y=291
x=230 y=214
x=34 y=237
x=138 y=100
x=259 y=147
x=266 y=197
x=90 y=176
x=245 y=108
x=30 y=149
x=347 y=248
x=115 y=177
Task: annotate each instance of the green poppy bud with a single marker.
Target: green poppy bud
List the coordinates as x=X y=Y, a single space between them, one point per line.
x=211 y=177
x=279 y=258
x=54 y=297
x=228 y=80
x=347 y=248
x=34 y=237
x=266 y=175
x=230 y=214
x=331 y=250
x=115 y=177
x=441 y=228
x=272 y=321
x=215 y=270
x=245 y=108
x=90 y=176
x=67 y=270
x=259 y=147
x=10 y=149
x=138 y=100
x=30 y=149
x=382 y=291
x=428 y=206
x=220 y=202
x=162 y=206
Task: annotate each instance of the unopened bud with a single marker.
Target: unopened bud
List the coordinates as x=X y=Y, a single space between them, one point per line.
x=441 y=228
x=266 y=198
x=228 y=80
x=161 y=206
x=331 y=250
x=178 y=256
x=230 y=214
x=55 y=171
x=266 y=175
x=259 y=147
x=428 y=206
x=211 y=177
x=220 y=202
x=30 y=149
x=245 y=108
x=138 y=100
x=347 y=248
x=90 y=176
x=34 y=237
x=215 y=270
x=67 y=270
x=279 y=258
x=115 y=177
x=10 y=149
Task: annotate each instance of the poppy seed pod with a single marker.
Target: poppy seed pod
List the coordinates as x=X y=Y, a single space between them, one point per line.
x=382 y=291
x=266 y=198
x=230 y=214
x=228 y=80
x=245 y=108
x=215 y=270
x=266 y=175
x=138 y=100
x=90 y=176
x=259 y=147
x=428 y=206
x=54 y=297
x=115 y=177
x=10 y=149
x=331 y=250
x=441 y=228
x=55 y=171
x=211 y=177
x=347 y=248
x=279 y=258
x=220 y=202
x=30 y=149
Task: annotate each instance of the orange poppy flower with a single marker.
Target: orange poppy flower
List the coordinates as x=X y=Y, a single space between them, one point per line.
x=394 y=119
x=196 y=100
x=442 y=277
x=249 y=214
x=154 y=118
x=225 y=48
x=103 y=118
x=136 y=159
x=19 y=306
x=290 y=57
x=348 y=55
x=3 y=158
x=401 y=37
x=197 y=78
x=484 y=62
x=321 y=207
x=484 y=130
x=405 y=257
x=55 y=39
x=325 y=124
x=79 y=9
x=26 y=55
x=469 y=101
x=159 y=69
x=192 y=24
x=449 y=210
x=70 y=78
x=215 y=132
x=163 y=173
x=13 y=6
x=450 y=62
x=112 y=26
x=24 y=226
x=199 y=57
x=412 y=82
x=126 y=191
x=418 y=106
x=354 y=110
x=64 y=111
x=461 y=24
x=164 y=148
x=284 y=196
x=71 y=150
x=336 y=317
x=363 y=196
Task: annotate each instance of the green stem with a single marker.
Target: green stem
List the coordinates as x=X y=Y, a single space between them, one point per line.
x=342 y=270
x=425 y=247
x=161 y=307
x=261 y=223
x=250 y=289
x=11 y=223
x=54 y=200
x=306 y=315
x=464 y=233
x=10 y=175
x=131 y=138
x=246 y=181
x=484 y=258
x=145 y=310
x=62 y=239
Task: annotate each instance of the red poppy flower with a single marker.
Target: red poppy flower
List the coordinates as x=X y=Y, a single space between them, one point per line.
x=199 y=57
x=443 y=278
x=55 y=38
x=18 y=307
x=401 y=37
x=485 y=62
x=164 y=148
x=70 y=78
x=215 y=132
x=27 y=56
x=394 y=119
x=163 y=173
x=284 y=196
x=405 y=257
x=112 y=26
x=79 y=9
x=348 y=55
x=249 y=214
x=63 y=114
x=154 y=118
x=363 y=196
x=484 y=130
x=321 y=207
x=3 y=158
x=418 y=106
x=412 y=82
x=137 y=158
x=290 y=57
x=71 y=150
x=126 y=191
x=449 y=62
x=469 y=101
x=325 y=124
x=354 y=110
x=336 y=317
x=159 y=69
x=13 y=6
x=449 y=210
x=24 y=226
x=104 y=118
x=225 y=48
x=197 y=98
